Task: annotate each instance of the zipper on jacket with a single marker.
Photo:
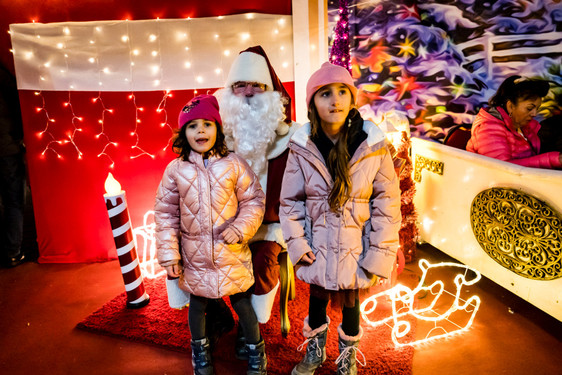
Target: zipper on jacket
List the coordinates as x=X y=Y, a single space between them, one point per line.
x=208 y=192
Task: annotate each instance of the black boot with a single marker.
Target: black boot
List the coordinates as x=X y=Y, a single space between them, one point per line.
x=240 y=349
x=257 y=360
x=218 y=321
x=201 y=357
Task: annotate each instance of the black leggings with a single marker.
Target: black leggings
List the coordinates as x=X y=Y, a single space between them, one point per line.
x=241 y=304
x=317 y=315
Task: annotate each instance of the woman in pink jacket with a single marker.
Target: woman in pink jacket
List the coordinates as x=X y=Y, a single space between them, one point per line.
x=340 y=212
x=208 y=205
x=507 y=130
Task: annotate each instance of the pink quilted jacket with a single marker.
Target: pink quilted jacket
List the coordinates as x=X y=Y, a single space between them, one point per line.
x=195 y=203
x=498 y=139
x=363 y=235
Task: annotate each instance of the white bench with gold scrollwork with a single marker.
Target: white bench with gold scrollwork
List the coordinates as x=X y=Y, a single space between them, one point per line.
x=500 y=218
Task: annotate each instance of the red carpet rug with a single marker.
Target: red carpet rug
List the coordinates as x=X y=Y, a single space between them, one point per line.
x=158 y=324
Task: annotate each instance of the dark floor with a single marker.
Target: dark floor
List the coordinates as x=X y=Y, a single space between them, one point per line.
x=41 y=304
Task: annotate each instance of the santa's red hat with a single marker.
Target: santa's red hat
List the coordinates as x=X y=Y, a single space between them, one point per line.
x=252 y=65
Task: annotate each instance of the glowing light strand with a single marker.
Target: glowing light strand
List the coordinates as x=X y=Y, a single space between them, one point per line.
x=132 y=96
x=135 y=133
x=149 y=264
x=101 y=121
x=49 y=120
x=72 y=136
x=162 y=108
x=403 y=305
x=43 y=109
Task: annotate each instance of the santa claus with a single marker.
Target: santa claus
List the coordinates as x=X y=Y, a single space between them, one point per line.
x=255 y=108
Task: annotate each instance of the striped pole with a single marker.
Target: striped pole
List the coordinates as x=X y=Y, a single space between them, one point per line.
x=120 y=221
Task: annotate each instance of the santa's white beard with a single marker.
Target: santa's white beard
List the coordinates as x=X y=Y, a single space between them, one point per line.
x=249 y=123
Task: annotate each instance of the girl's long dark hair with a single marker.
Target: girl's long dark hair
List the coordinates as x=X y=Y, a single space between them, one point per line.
x=514 y=89
x=338 y=158
x=181 y=146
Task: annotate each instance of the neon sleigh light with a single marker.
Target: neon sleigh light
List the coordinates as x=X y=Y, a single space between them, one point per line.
x=149 y=264
x=403 y=304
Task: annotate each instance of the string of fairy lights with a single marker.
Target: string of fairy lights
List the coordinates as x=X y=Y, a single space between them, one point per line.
x=65 y=57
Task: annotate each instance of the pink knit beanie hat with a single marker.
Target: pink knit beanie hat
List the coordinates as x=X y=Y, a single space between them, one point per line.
x=202 y=106
x=329 y=73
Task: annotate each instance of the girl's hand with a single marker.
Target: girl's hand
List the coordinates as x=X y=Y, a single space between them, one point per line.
x=173 y=271
x=229 y=236
x=308 y=258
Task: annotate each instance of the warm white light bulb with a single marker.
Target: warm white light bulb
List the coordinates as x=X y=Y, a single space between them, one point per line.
x=112 y=186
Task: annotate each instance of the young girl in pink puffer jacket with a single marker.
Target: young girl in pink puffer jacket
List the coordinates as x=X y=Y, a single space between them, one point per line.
x=208 y=205
x=340 y=212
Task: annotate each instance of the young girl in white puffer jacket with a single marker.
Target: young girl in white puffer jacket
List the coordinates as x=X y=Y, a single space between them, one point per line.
x=208 y=205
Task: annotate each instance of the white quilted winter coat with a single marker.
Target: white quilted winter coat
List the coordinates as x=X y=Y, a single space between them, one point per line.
x=196 y=203
x=363 y=235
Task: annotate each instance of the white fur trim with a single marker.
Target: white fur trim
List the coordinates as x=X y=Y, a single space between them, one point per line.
x=374 y=133
x=270 y=232
x=263 y=304
x=249 y=67
x=302 y=134
x=282 y=129
x=345 y=337
x=281 y=142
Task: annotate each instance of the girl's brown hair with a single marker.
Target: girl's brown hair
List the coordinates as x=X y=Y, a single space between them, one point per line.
x=338 y=158
x=181 y=145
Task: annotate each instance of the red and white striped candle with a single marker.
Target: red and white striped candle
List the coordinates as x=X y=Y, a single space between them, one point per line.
x=116 y=204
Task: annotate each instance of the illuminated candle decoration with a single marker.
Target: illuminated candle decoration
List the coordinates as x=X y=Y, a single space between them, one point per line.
x=403 y=301
x=116 y=204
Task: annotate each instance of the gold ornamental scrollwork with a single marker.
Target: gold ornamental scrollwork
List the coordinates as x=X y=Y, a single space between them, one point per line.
x=431 y=165
x=519 y=231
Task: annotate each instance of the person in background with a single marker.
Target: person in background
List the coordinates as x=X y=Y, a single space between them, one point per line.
x=340 y=213
x=507 y=129
x=12 y=172
x=208 y=206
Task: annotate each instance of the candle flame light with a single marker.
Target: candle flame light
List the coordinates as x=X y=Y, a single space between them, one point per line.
x=112 y=186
